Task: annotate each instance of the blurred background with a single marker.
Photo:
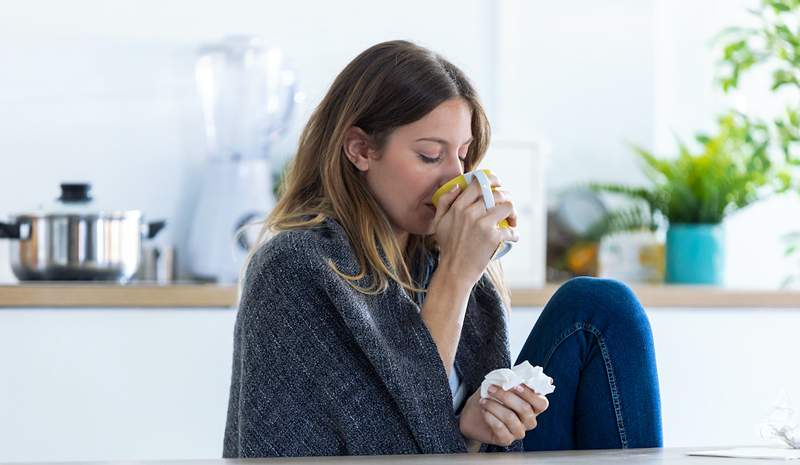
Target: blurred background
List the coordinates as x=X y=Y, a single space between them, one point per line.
x=188 y=111
x=107 y=94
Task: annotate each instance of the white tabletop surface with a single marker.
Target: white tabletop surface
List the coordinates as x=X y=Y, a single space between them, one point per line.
x=628 y=457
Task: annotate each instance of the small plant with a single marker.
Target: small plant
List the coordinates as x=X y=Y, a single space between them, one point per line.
x=638 y=217
x=732 y=171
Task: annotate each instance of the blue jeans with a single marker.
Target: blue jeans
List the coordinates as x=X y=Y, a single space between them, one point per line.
x=593 y=338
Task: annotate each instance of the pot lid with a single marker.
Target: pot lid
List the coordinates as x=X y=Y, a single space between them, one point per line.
x=76 y=199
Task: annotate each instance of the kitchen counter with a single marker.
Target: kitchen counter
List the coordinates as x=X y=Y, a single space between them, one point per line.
x=60 y=294
x=191 y=295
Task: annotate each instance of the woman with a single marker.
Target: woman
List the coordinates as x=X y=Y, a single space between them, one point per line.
x=369 y=318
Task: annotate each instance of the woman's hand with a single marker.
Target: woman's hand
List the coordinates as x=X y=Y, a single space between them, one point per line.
x=503 y=417
x=467 y=233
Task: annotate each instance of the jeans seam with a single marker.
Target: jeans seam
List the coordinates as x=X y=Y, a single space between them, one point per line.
x=612 y=381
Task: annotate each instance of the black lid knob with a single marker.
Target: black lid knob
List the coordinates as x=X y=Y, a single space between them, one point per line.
x=75 y=192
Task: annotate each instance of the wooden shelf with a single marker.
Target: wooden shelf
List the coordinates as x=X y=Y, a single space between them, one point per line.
x=53 y=295
x=50 y=294
x=669 y=296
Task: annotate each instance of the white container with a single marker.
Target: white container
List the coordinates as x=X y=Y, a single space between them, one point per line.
x=633 y=257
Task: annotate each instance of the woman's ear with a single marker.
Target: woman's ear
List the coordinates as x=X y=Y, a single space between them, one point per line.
x=357 y=148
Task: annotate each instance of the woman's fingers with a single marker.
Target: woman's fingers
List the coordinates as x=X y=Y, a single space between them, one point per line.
x=505 y=427
x=486 y=225
x=445 y=201
x=471 y=194
x=502 y=195
x=500 y=212
x=538 y=402
x=513 y=400
x=467 y=240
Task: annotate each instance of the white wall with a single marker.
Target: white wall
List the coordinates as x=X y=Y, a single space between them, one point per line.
x=136 y=384
x=579 y=75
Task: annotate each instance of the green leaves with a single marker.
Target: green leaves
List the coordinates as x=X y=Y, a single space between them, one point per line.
x=735 y=166
x=731 y=171
x=782 y=6
x=774 y=42
x=782 y=77
x=634 y=218
x=787 y=127
x=792 y=241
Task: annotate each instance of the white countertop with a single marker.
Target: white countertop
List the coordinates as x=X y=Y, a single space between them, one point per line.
x=628 y=456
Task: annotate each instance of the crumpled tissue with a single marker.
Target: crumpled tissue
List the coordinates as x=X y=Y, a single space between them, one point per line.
x=524 y=373
x=782 y=423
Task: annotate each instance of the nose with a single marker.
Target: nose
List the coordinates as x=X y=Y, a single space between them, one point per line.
x=451 y=168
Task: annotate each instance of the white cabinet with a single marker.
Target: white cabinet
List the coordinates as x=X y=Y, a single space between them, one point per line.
x=137 y=384
x=113 y=383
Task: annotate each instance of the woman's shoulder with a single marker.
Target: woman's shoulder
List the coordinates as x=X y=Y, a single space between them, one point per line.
x=305 y=248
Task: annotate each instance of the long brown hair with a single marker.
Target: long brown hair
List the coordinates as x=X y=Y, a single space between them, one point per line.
x=391 y=84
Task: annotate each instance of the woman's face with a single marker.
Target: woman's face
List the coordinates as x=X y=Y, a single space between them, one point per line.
x=418 y=158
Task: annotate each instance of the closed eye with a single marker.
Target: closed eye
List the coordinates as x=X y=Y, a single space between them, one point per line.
x=428 y=159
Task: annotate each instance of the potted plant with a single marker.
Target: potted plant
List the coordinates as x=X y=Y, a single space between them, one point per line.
x=694 y=192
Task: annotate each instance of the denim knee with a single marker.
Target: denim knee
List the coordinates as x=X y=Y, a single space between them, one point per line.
x=603 y=297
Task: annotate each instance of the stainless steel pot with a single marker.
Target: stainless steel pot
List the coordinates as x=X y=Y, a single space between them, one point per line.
x=74 y=243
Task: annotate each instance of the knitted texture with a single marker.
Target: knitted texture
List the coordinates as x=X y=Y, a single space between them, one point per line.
x=322 y=369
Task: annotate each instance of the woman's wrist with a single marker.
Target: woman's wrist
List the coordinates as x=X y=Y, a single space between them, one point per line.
x=473 y=445
x=449 y=273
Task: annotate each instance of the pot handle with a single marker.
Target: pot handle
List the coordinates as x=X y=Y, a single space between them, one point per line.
x=154 y=227
x=10 y=230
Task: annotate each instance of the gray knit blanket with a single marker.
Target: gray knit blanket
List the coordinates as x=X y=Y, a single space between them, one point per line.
x=322 y=369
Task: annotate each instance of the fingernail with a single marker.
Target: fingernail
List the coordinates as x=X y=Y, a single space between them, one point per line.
x=455 y=188
x=482 y=401
x=492 y=389
x=519 y=388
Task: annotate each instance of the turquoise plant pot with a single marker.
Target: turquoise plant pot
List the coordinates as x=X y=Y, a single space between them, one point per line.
x=695 y=254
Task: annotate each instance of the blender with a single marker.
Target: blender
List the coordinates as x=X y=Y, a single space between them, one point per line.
x=247 y=94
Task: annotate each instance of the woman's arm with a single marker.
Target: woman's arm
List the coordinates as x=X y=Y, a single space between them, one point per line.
x=443 y=312
x=467 y=235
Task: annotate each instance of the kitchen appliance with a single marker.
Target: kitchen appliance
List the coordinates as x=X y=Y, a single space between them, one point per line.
x=248 y=96
x=74 y=240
